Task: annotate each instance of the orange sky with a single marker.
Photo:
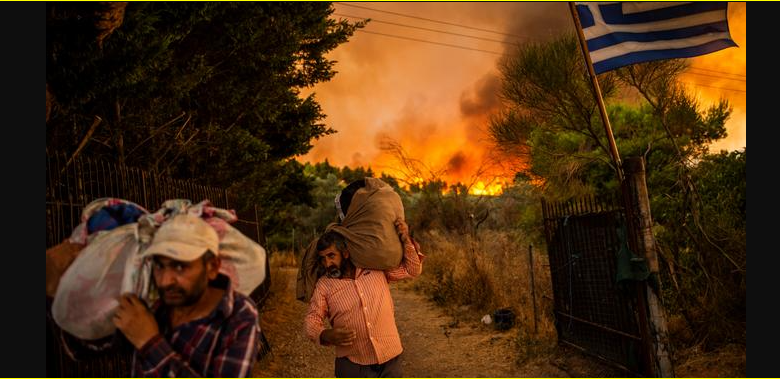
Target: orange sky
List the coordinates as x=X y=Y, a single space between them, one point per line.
x=436 y=100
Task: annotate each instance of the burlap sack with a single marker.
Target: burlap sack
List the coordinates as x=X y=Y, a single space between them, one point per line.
x=369 y=229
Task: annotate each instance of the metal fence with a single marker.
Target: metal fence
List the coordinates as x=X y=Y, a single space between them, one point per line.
x=592 y=312
x=71 y=185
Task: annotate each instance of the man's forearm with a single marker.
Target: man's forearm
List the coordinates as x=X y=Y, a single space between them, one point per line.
x=312 y=322
x=313 y=329
x=411 y=264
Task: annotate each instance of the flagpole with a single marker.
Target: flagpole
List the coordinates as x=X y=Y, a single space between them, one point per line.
x=644 y=328
x=597 y=91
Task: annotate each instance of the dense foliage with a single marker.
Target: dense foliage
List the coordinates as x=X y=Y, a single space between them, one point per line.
x=201 y=90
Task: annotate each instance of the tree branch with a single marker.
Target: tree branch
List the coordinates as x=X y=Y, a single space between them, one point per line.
x=83 y=143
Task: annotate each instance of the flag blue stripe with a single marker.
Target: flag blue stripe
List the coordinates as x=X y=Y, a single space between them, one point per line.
x=651 y=55
x=586 y=17
x=620 y=37
x=613 y=13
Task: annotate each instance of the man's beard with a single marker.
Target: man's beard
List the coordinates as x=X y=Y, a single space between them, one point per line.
x=179 y=297
x=336 y=272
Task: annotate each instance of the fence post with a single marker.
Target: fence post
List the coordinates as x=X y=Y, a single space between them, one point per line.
x=533 y=290
x=634 y=168
x=257 y=227
x=143 y=190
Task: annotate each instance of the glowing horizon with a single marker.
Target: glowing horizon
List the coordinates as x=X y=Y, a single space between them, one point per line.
x=435 y=101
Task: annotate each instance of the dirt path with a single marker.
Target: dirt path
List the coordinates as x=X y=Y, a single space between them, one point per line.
x=435 y=345
x=292 y=354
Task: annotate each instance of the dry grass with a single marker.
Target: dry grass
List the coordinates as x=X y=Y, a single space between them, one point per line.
x=475 y=276
x=727 y=361
x=283 y=259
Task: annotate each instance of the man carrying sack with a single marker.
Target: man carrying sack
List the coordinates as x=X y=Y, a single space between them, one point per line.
x=368 y=225
x=358 y=304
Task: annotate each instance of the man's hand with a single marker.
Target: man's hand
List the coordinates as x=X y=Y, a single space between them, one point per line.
x=135 y=321
x=402 y=229
x=338 y=337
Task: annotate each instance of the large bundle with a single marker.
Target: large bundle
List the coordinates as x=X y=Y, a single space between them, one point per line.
x=368 y=227
x=109 y=265
x=243 y=259
x=87 y=292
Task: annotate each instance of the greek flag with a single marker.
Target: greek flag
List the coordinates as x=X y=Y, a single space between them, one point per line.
x=624 y=33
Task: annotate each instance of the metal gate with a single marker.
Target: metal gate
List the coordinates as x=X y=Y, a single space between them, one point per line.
x=592 y=312
x=71 y=185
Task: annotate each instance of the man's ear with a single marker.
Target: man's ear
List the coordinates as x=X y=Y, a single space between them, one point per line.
x=345 y=254
x=212 y=267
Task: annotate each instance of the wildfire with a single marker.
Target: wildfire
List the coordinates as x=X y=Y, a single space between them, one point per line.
x=481 y=189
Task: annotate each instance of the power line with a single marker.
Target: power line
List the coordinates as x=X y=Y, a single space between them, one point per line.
x=704 y=85
x=425 y=41
x=479 y=38
x=497 y=53
x=427 y=29
x=473 y=28
x=431 y=20
x=716 y=76
x=717 y=72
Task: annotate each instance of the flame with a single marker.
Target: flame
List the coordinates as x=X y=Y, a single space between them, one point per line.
x=482 y=189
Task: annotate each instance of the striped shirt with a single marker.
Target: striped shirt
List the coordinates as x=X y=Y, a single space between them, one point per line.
x=364 y=305
x=222 y=344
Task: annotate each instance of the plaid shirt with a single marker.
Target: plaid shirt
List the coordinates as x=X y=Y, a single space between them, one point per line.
x=222 y=344
x=364 y=305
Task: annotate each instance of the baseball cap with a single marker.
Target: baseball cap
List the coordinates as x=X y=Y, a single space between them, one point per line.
x=184 y=238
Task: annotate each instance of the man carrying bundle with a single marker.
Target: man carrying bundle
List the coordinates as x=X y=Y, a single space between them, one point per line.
x=356 y=300
x=200 y=327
